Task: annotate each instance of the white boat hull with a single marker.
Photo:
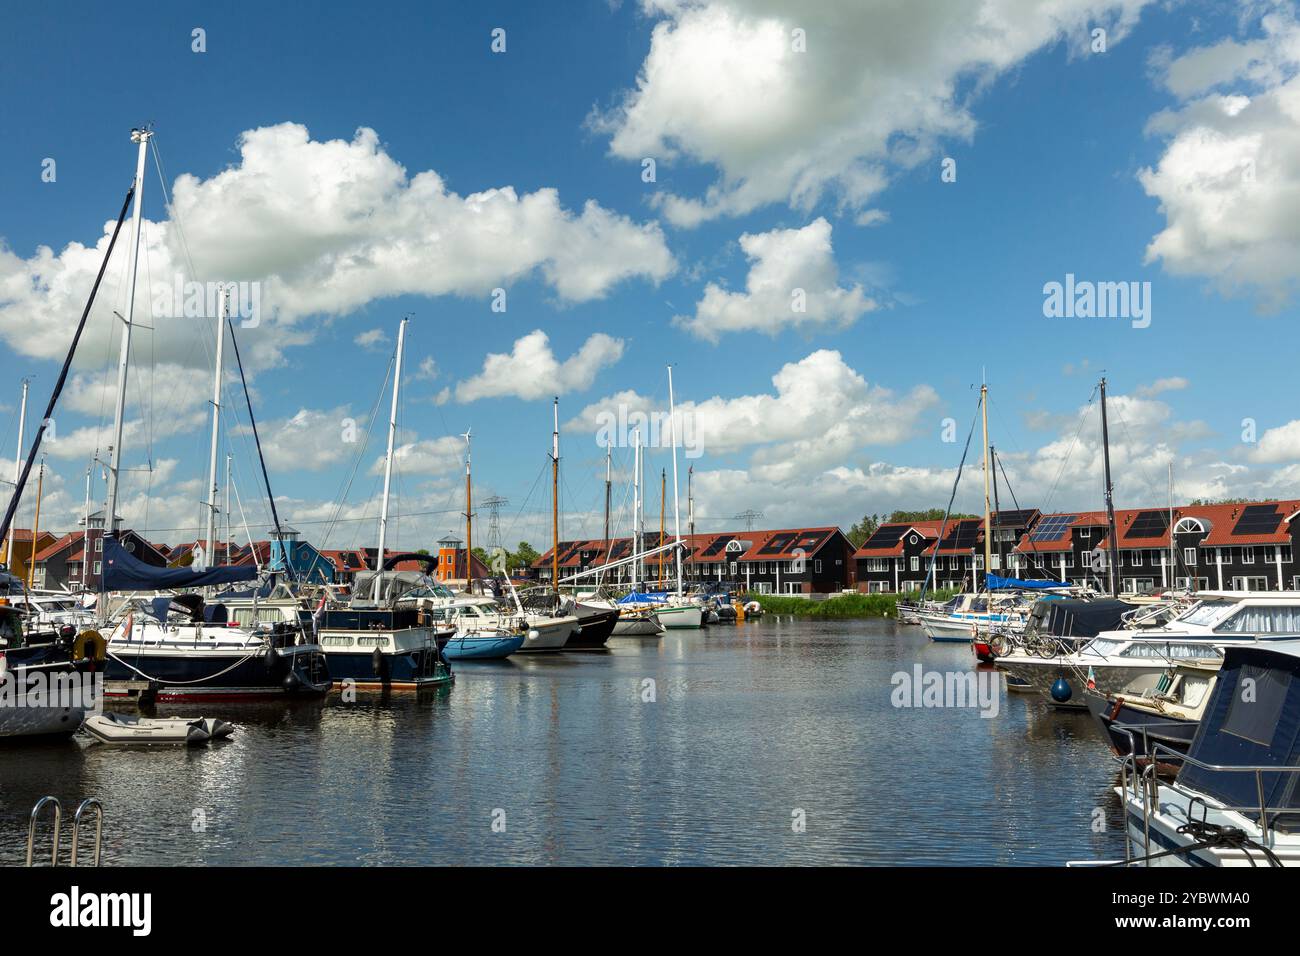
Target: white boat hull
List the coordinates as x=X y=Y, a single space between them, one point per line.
x=548 y=634
x=682 y=616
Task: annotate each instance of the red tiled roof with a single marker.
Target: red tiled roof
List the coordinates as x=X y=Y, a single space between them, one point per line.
x=54 y=547
x=929 y=530
x=1083 y=519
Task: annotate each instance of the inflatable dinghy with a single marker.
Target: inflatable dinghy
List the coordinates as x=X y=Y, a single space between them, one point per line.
x=123 y=729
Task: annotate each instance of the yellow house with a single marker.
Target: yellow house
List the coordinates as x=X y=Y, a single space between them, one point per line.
x=24 y=549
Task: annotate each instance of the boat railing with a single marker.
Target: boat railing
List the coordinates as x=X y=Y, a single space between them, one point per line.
x=31 y=827
x=87 y=805
x=90 y=803
x=1143 y=784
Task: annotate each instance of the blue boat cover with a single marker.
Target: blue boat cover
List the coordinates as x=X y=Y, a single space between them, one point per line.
x=996 y=583
x=1252 y=719
x=125 y=572
x=641 y=597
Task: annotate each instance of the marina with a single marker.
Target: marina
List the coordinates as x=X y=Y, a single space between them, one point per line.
x=709 y=772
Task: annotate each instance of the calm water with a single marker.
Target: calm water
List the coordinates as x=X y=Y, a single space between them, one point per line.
x=751 y=722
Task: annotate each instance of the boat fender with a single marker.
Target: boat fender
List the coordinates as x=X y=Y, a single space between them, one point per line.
x=4 y=667
x=377 y=660
x=90 y=645
x=292 y=680
x=271 y=658
x=534 y=634
x=1061 y=691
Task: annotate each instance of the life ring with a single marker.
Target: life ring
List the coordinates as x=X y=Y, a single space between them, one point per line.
x=90 y=645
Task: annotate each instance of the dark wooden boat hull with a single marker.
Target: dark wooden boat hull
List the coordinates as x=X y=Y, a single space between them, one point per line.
x=1171 y=732
x=595 y=625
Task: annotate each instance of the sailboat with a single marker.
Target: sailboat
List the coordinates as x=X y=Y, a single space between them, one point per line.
x=381 y=640
x=181 y=644
x=677 y=611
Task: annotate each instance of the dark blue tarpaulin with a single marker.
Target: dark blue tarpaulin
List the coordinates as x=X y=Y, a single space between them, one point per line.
x=125 y=572
x=995 y=583
x=1253 y=719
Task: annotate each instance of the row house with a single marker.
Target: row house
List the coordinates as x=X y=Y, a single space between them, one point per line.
x=785 y=561
x=1237 y=547
x=897 y=558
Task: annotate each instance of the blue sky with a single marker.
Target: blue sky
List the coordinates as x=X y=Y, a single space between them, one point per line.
x=828 y=158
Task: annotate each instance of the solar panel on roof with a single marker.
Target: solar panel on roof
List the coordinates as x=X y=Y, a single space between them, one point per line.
x=717 y=545
x=1052 y=527
x=777 y=544
x=886 y=537
x=1258 y=519
x=1014 y=519
x=1149 y=524
x=963 y=536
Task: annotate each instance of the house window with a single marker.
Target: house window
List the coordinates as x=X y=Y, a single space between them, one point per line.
x=1247 y=555
x=97 y=566
x=1067 y=559
x=1189 y=556
x=915 y=563
x=979 y=562
x=1135 y=559
x=817 y=566
x=99 y=545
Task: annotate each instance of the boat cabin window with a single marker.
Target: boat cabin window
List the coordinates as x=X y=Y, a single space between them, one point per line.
x=1204 y=612
x=1169 y=650
x=1257 y=619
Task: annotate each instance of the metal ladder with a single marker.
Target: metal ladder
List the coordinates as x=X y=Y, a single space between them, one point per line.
x=90 y=803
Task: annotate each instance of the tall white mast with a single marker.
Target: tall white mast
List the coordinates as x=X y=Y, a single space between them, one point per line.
x=227 y=541
x=85 y=534
x=388 y=458
x=636 y=506
x=18 y=469
x=677 y=512
x=141 y=138
x=216 y=427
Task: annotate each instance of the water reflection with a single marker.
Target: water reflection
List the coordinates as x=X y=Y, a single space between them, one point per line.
x=749 y=725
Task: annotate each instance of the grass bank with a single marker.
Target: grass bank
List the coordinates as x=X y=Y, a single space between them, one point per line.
x=842 y=605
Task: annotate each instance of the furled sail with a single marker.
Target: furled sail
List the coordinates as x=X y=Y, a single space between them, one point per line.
x=125 y=572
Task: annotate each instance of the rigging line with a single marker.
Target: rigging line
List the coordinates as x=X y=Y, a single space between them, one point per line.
x=510 y=529
x=311 y=521
x=63 y=377
x=1051 y=494
x=346 y=489
x=997 y=462
x=943 y=527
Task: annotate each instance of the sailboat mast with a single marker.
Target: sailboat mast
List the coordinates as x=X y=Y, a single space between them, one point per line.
x=140 y=137
x=609 y=454
x=555 y=498
x=216 y=427
x=677 y=516
x=226 y=547
x=636 y=507
x=85 y=534
x=663 y=491
x=988 y=531
x=1110 y=498
x=1173 y=566
x=36 y=525
x=469 y=521
x=18 y=462
x=388 y=458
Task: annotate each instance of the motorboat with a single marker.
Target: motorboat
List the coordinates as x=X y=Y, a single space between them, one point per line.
x=1168 y=714
x=383 y=638
x=1234 y=801
x=1133 y=659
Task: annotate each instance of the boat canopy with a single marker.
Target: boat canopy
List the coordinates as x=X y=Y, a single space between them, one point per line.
x=393 y=585
x=996 y=583
x=123 y=571
x=1252 y=719
x=642 y=597
x=1072 y=617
